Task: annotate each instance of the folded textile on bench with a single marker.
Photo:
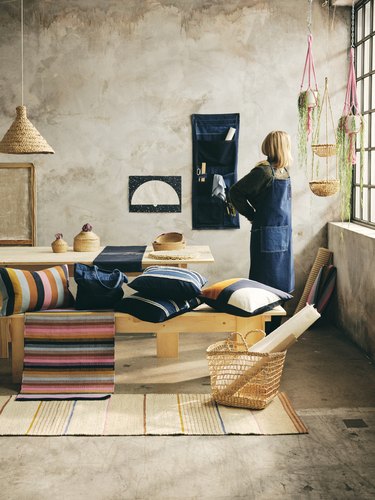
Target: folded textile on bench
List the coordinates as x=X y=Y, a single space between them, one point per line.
x=127 y=259
x=68 y=353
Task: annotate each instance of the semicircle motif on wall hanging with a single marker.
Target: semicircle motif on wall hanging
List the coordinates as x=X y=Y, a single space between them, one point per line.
x=151 y=193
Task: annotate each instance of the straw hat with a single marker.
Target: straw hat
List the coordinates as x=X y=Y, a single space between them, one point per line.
x=22 y=137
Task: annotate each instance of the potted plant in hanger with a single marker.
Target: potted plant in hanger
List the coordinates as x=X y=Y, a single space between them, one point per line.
x=308 y=105
x=350 y=127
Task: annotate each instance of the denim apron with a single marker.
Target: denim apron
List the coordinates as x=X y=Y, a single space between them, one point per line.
x=271 y=251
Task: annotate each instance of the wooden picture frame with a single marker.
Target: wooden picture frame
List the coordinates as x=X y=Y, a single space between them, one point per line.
x=17 y=204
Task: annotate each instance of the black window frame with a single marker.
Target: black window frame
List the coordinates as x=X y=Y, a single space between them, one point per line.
x=361 y=212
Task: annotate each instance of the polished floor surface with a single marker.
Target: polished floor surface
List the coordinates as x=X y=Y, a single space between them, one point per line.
x=329 y=381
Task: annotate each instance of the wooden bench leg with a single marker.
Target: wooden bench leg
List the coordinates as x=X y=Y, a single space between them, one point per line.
x=167 y=345
x=17 y=335
x=4 y=338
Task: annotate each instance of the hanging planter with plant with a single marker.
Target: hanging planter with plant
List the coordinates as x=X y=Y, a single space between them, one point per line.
x=308 y=104
x=328 y=184
x=350 y=127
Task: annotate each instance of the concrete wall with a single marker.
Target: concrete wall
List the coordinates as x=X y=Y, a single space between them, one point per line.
x=112 y=84
x=354 y=256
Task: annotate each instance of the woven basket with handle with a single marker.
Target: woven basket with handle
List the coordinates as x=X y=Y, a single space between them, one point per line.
x=242 y=378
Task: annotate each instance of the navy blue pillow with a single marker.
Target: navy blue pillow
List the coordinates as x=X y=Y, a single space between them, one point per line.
x=155 y=310
x=168 y=283
x=243 y=297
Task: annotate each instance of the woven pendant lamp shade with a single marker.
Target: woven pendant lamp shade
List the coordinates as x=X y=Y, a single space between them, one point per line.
x=23 y=138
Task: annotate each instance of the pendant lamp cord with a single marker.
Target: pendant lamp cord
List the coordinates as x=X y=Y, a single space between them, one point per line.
x=22 y=52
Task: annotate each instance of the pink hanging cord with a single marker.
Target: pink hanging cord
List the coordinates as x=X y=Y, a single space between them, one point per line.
x=351 y=104
x=310 y=68
x=309 y=65
x=351 y=99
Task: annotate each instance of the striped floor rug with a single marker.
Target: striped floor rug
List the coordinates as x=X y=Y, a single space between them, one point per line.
x=68 y=353
x=145 y=414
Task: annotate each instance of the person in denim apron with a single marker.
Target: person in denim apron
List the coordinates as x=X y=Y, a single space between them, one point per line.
x=264 y=197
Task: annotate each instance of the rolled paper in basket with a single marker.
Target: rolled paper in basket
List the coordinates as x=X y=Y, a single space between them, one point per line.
x=296 y=325
x=243 y=379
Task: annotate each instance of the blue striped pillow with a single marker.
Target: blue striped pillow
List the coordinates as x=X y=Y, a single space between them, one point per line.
x=168 y=283
x=155 y=310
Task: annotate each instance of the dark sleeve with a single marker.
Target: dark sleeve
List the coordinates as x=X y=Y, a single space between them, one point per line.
x=248 y=191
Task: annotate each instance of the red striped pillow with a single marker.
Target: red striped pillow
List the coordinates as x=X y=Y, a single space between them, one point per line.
x=22 y=291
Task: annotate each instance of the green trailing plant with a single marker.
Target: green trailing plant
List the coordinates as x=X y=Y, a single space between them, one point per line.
x=307 y=117
x=346 y=151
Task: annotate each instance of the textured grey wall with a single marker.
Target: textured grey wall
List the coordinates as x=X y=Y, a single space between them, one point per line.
x=354 y=255
x=112 y=84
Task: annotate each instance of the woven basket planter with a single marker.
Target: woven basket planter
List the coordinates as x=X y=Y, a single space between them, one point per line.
x=242 y=378
x=169 y=241
x=324 y=150
x=326 y=187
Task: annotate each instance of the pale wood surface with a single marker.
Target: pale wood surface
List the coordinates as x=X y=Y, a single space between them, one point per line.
x=202 y=320
x=39 y=257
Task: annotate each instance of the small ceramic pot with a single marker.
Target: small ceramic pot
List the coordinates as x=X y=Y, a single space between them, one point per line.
x=353 y=124
x=311 y=98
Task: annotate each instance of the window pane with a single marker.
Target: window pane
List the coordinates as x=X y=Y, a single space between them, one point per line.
x=366 y=57
x=367 y=19
x=357 y=168
x=366 y=157
x=372 y=96
x=359 y=94
x=359 y=30
x=366 y=94
x=364 y=202
x=372 y=203
x=358 y=60
x=372 y=140
x=357 y=203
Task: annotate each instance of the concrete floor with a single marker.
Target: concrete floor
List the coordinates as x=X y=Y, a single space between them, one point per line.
x=330 y=382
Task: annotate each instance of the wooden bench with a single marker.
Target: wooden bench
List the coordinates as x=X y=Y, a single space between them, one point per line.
x=202 y=320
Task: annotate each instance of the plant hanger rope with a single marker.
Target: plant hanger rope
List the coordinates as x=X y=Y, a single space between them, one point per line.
x=327 y=149
x=310 y=69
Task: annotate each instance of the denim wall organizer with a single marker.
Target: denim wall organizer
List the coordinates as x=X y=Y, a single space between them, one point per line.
x=214 y=170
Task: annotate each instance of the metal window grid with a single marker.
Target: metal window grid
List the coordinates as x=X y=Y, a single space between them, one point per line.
x=363 y=205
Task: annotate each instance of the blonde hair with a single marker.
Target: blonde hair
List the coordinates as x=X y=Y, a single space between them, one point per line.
x=277 y=147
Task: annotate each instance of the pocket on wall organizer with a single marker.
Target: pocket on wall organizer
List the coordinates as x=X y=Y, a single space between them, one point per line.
x=209 y=213
x=274 y=238
x=217 y=152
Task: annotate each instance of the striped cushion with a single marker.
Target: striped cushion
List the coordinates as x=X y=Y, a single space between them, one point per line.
x=155 y=310
x=168 y=283
x=22 y=291
x=243 y=297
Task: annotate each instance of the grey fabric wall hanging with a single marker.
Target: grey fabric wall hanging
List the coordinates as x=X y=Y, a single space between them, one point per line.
x=154 y=193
